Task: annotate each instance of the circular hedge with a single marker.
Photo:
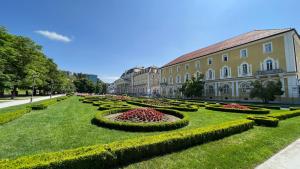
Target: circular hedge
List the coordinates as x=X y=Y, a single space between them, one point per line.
x=108 y=106
x=252 y=110
x=101 y=120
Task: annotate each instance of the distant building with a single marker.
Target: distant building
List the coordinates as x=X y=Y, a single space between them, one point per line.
x=92 y=77
x=111 y=88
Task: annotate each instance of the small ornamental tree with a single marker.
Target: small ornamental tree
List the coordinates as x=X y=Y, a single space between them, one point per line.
x=193 y=88
x=267 y=92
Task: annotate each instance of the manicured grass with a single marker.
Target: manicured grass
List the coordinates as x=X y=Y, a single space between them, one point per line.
x=245 y=150
x=67 y=124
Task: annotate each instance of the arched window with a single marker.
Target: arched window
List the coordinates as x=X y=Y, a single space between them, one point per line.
x=269 y=64
x=226 y=89
x=245 y=69
x=245 y=87
x=210 y=74
x=211 y=89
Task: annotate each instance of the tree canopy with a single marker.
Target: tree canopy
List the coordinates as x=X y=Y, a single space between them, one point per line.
x=266 y=91
x=193 y=88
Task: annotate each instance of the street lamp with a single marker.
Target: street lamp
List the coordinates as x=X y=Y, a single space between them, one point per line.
x=33 y=79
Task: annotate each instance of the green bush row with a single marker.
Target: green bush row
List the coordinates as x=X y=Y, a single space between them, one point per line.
x=180 y=108
x=252 y=111
x=62 y=98
x=127 y=151
x=129 y=126
x=43 y=104
x=9 y=116
x=294 y=108
x=108 y=106
x=264 y=106
x=285 y=114
x=265 y=120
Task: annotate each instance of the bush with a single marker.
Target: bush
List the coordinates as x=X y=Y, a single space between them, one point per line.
x=123 y=152
x=294 y=108
x=61 y=98
x=130 y=126
x=253 y=110
x=264 y=121
x=108 y=106
x=10 y=116
x=180 y=108
x=264 y=106
x=285 y=114
x=43 y=104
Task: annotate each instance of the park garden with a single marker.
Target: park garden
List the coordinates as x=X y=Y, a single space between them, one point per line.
x=119 y=131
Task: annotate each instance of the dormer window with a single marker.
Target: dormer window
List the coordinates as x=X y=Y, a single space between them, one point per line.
x=243 y=53
x=268 y=47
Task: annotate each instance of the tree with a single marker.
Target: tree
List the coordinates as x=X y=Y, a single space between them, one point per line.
x=193 y=88
x=83 y=85
x=267 y=92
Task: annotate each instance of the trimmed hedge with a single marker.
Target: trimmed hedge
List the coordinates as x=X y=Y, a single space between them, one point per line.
x=130 y=126
x=294 y=108
x=184 y=108
x=108 y=106
x=265 y=120
x=10 y=116
x=253 y=110
x=127 y=151
x=43 y=104
x=62 y=98
x=285 y=114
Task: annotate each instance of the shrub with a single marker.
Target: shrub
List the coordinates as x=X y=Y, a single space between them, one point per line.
x=294 y=108
x=264 y=120
x=108 y=106
x=252 y=110
x=123 y=152
x=61 y=98
x=43 y=104
x=285 y=114
x=180 y=108
x=131 y=126
x=10 y=116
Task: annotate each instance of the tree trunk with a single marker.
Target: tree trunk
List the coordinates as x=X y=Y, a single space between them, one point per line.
x=13 y=92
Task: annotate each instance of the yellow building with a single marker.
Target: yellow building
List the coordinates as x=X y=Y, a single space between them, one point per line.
x=231 y=65
x=146 y=82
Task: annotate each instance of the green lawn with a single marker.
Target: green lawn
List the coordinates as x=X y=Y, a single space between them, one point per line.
x=67 y=124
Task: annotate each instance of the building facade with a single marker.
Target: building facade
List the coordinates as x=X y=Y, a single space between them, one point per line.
x=230 y=66
x=146 y=82
x=139 y=81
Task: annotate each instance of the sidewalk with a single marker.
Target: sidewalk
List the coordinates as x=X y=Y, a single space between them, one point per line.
x=19 y=102
x=288 y=158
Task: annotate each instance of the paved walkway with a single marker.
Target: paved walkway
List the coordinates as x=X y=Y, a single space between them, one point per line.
x=19 y=102
x=288 y=158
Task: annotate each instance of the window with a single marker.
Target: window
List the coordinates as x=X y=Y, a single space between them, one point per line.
x=211 y=89
x=197 y=65
x=244 y=69
x=225 y=58
x=209 y=61
x=226 y=89
x=171 y=80
x=178 y=79
x=187 y=77
x=225 y=72
x=198 y=75
x=170 y=70
x=269 y=64
x=177 y=68
x=243 y=53
x=267 y=47
x=186 y=67
x=210 y=74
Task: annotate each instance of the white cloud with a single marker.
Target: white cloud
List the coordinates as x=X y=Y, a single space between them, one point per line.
x=54 y=36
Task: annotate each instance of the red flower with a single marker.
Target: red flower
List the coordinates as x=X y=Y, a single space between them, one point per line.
x=141 y=115
x=236 y=106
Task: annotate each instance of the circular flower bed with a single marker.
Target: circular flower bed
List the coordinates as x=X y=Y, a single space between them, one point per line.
x=141 y=119
x=141 y=115
x=236 y=106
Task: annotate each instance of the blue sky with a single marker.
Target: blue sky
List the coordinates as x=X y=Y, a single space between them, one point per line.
x=108 y=37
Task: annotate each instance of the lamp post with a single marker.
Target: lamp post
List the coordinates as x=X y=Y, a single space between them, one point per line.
x=33 y=79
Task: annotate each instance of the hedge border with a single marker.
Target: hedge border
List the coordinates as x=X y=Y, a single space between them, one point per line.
x=10 y=116
x=190 y=109
x=145 y=127
x=284 y=115
x=264 y=121
x=127 y=151
x=252 y=111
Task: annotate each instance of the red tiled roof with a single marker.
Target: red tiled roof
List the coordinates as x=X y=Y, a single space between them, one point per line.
x=229 y=43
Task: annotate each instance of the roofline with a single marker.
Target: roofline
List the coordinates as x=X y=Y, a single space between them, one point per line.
x=292 y=29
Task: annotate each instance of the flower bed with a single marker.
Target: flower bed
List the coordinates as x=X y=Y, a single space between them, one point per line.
x=141 y=115
x=146 y=122
x=237 y=109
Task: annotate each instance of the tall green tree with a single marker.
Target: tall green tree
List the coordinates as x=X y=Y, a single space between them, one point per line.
x=193 y=88
x=266 y=92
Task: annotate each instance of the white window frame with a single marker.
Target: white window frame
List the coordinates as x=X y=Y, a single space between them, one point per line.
x=209 y=59
x=197 y=65
x=170 y=70
x=245 y=49
x=186 y=66
x=223 y=56
x=177 y=68
x=178 y=80
x=264 y=47
x=186 y=77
